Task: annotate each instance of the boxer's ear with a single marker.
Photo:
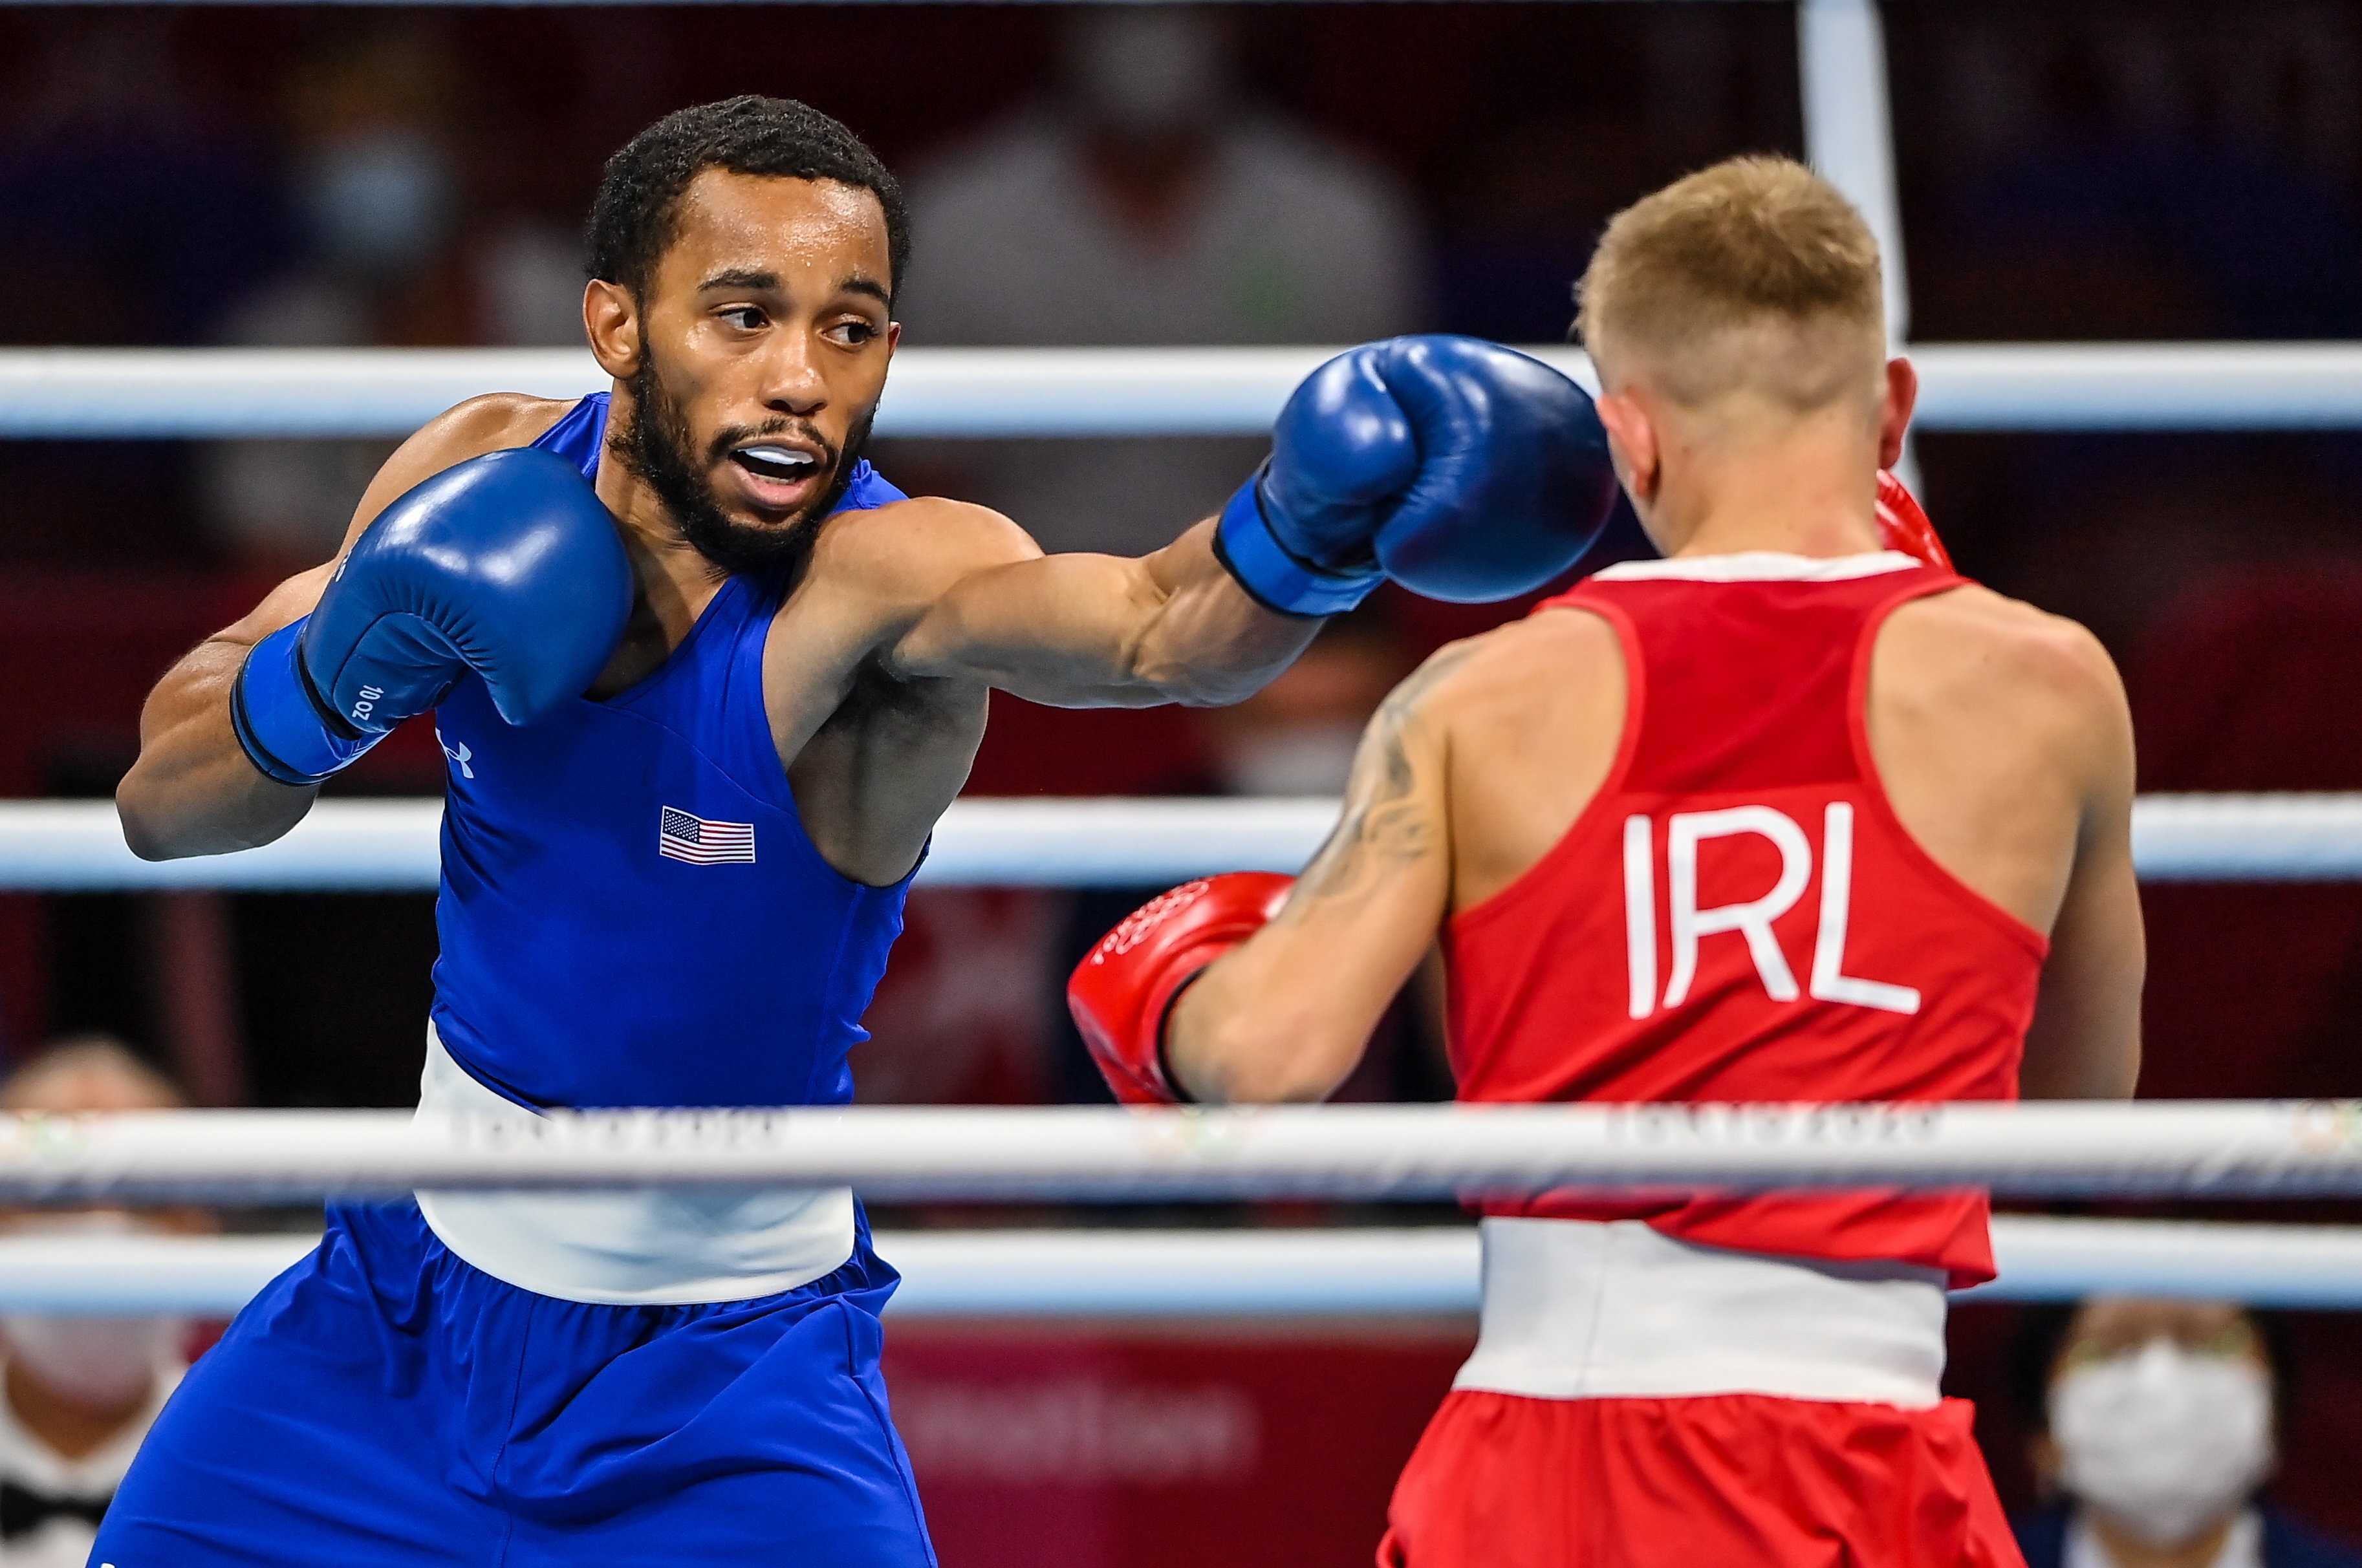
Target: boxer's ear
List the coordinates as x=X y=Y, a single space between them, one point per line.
x=1894 y=410
x=1631 y=446
x=610 y=320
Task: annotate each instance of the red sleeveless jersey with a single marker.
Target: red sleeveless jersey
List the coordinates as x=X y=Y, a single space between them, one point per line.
x=1739 y=915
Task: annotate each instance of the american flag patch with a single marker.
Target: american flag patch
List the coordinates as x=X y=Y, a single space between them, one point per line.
x=683 y=836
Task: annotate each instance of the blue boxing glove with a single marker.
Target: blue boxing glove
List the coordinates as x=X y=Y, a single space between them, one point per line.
x=1461 y=469
x=507 y=565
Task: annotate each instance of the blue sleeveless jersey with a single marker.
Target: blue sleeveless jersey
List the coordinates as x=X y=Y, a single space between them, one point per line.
x=631 y=912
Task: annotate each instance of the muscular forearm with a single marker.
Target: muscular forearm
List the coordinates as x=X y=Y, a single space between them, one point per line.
x=1208 y=643
x=1235 y=1038
x=1287 y=1014
x=192 y=791
x=1250 y=987
x=195 y=790
x=1086 y=630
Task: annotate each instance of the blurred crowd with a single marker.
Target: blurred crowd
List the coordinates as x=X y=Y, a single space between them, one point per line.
x=2117 y=169
x=1167 y=175
x=77 y=1393
x=2157 y=1424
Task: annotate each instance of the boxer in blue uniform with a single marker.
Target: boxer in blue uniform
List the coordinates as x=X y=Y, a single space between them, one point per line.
x=705 y=681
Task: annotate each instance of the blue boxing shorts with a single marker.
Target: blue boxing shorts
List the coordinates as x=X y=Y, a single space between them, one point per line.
x=384 y=1402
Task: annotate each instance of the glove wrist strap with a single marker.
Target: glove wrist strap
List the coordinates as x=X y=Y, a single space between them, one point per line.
x=285 y=729
x=1161 y=1062
x=1273 y=576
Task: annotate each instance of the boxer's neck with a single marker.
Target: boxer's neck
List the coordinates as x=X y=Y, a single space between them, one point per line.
x=675 y=583
x=1803 y=487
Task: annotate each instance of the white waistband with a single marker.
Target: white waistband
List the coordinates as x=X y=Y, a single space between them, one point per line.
x=639 y=1248
x=1579 y=1309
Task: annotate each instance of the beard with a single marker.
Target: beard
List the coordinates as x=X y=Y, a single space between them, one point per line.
x=657 y=447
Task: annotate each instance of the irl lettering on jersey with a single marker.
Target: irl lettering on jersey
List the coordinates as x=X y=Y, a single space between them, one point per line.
x=1752 y=918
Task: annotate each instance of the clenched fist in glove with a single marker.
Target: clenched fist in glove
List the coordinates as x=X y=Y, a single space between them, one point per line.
x=1122 y=991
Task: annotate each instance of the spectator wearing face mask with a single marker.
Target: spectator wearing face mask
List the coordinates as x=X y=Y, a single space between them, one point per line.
x=1152 y=197
x=375 y=199
x=2159 y=1424
x=77 y=1393
x=398 y=246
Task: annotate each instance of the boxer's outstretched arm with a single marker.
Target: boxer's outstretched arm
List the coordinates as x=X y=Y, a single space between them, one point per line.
x=192 y=790
x=1286 y=1015
x=1461 y=467
x=1083 y=631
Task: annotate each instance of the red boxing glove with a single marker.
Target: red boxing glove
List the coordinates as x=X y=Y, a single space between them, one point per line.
x=1902 y=526
x=1121 y=991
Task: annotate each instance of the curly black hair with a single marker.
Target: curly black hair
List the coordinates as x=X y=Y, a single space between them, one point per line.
x=633 y=218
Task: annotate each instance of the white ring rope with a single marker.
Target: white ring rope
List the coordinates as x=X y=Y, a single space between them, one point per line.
x=387 y=392
x=391 y=845
x=1396 y=1152
x=1429 y=1269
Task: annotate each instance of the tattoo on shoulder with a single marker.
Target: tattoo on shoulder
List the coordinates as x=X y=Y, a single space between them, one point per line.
x=1384 y=826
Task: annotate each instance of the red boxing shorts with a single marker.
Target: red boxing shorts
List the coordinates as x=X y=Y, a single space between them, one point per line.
x=1702 y=1481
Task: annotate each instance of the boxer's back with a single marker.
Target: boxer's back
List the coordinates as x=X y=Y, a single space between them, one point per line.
x=1762 y=827
x=1776 y=818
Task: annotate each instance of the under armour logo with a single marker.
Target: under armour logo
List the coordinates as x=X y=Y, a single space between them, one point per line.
x=459 y=755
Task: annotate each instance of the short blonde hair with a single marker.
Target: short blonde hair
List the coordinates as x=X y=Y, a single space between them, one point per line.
x=1755 y=274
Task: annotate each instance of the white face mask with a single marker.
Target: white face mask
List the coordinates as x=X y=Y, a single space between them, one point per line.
x=2163 y=1440
x=102 y=1363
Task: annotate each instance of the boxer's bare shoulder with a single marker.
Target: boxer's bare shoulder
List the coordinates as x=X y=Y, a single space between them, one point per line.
x=492 y=422
x=1528 y=718
x=1974 y=615
x=2003 y=737
x=1558 y=655
x=901 y=557
x=1499 y=684
x=1971 y=661
x=874 y=574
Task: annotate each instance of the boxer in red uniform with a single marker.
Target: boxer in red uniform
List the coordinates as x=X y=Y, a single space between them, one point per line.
x=1794 y=814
